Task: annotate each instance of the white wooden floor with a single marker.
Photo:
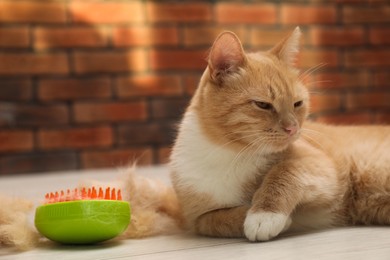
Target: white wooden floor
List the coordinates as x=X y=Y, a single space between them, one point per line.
x=347 y=243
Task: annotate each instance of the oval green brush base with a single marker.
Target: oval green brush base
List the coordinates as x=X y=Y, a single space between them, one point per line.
x=82 y=221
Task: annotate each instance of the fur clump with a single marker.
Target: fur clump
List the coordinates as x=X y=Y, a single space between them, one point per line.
x=154 y=206
x=15 y=229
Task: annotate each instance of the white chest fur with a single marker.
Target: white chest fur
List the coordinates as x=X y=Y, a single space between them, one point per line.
x=211 y=169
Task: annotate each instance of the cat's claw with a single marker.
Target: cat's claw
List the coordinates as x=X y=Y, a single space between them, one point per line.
x=263 y=226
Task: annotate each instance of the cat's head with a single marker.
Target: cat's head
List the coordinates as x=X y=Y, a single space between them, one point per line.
x=253 y=100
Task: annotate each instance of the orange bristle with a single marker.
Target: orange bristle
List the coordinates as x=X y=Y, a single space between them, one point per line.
x=100 y=196
x=93 y=193
x=62 y=196
x=107 y=195
x=113 y=195
x=83 y=194
x=67 y=197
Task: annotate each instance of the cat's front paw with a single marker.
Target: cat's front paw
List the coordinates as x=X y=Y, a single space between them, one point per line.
x=263 y=225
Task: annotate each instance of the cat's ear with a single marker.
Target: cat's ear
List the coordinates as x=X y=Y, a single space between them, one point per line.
x=287 y=50
x=226 y=56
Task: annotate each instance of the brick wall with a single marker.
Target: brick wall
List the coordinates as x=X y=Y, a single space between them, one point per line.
x=93 y=83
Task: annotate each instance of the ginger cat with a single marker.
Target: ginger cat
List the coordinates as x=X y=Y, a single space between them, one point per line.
x=247 y=164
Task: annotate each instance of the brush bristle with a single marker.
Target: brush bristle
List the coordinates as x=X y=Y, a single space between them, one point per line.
x=83 y=194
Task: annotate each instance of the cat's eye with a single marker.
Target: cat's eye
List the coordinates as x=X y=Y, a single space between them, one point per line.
x=298 y=104
x=263 y=105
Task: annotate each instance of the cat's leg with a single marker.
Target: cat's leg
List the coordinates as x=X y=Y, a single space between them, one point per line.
x=263 y=225
x=307 y=178
x=272 y=205
x=222 y=222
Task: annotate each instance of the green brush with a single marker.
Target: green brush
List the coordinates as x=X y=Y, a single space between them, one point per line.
x=83 y=216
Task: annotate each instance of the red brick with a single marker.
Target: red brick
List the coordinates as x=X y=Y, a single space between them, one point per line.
x=110 y=112
x=29 y=63
x=205 y=35
x=110 y=61
x=145 y=36
x=38 y=162
x=381 y=79
x=16 y=114
x=14 y=37
x=300 y=15
x=108 y=12
x=312 y=58
x=116 y=158
x=368 y=100
x=148 y=86
x=382 y=118
x=178 y=12
x=177 y=59
x=230 y=13
x=172 y=108
x=368 y=58
x=191 y=83
x=15 y=89
x=12 y=141
x=370 y=2
x=32 y=12
x=325 y=102
x=367 y=14
x=340 y=80
x=380 y=36
x=147 y=134
x=75 y=138
x=347 y=118
x=337 y=36
x=69 y=37
x=269 y=38
x=72 y=89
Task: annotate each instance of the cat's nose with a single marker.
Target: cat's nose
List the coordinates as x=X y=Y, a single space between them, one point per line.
x=291 y=129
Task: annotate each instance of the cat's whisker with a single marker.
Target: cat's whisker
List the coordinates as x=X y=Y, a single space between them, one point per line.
x=312 y=140
x=254 y=133
x=230 y=142
x=234 y=163
x=242 y=152
x=259 y=150
x=241 y=132
x=314 y=68
x=304 y=75
x=317 y=92
x=314 y=132
x=260 y=145
x=246 y=148
x=237 y=158
x=311 y=83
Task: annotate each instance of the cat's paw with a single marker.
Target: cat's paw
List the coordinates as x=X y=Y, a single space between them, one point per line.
x=262 y=226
